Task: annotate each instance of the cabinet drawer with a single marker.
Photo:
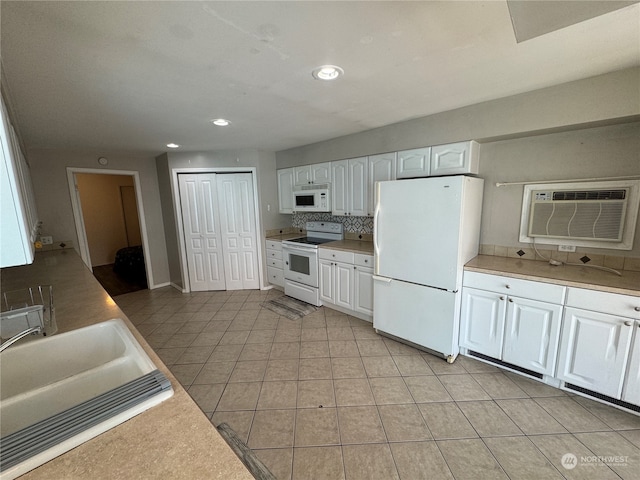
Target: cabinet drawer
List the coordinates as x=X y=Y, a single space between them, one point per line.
x=275 y=276
x=336 y=255
x=363 y=260
x=604 y=302
x=274 y=245
x=274 y=262
x=276 y=254
x=544 y=292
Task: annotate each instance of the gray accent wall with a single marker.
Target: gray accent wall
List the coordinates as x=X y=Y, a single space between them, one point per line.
x=610 y=98
x=265 y=164
x=583 y=129
x=49 y=176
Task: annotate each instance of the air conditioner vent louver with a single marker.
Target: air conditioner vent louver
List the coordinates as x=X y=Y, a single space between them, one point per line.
x=584 y=214
x=590 y=195
x=599 y=214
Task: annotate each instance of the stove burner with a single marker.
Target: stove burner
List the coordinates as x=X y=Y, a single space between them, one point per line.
x=310 y=240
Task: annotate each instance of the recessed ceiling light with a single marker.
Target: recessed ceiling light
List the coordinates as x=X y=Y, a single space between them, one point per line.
x=221 y=122
x=327 y=72
x=172 y=145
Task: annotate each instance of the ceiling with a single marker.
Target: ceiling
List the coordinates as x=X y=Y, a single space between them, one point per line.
x=134 y=76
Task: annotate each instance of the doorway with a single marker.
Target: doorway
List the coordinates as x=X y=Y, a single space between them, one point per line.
x=108 y=219
x=219 y=228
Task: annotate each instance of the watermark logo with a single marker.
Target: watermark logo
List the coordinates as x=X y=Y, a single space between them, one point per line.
x=569 y=461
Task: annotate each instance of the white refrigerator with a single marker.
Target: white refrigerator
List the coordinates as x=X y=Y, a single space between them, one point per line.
x=425 y=230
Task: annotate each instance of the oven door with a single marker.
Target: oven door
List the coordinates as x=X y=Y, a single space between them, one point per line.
x=301 y=264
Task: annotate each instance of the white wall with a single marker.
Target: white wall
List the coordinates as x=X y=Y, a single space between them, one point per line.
x=53 y=201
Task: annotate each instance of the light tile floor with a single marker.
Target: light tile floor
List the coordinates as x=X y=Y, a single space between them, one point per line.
x=325 y=397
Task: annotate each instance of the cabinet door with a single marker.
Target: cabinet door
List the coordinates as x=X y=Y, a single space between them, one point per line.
x=381 y=168
x=482 y=321
x=302 y=175
x=594 y=349
x=321 y=172
x=339 y=187
x=357 y=191
x=343 y=278
x=454 y=158
x=18 y=218
x=532 y=332
x=327 y=285
x=285 y=190
x=631 y=391
x=413 y=163
x=363 y=298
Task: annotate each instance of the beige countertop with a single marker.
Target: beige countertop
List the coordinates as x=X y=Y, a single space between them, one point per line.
x=172 y=440
x=569 y=275
x=356 y=246
x=285 y=236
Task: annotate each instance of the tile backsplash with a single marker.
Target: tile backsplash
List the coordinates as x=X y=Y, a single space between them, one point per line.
x=357 y=225
x=543 y=255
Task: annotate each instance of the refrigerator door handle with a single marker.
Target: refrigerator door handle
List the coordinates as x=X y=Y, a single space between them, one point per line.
x=381 y=279
x=376 y=247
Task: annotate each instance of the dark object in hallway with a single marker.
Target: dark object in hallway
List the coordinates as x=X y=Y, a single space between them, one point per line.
x=116 y=284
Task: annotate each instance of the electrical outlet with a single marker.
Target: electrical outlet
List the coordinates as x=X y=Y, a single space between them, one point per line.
x=566 y=248
x=46 y=240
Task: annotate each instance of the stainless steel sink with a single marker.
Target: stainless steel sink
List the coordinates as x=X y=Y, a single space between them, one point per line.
x=60 y=391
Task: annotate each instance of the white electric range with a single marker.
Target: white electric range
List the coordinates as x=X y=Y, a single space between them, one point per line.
x=300 y=257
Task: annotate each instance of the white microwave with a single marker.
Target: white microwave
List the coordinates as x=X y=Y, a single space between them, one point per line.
x=312 y=198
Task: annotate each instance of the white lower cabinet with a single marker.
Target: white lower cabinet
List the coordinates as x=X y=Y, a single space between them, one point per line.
x=631 y=390
x=594 y=350
x=482 y=321
x=587 y=338
x=275 y=272
x=346 y=282
x=532 y=332
x=363 y=284
x=520 y=331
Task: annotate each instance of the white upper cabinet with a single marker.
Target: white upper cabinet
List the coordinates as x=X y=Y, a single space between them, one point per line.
x=349 y=187
x=413 y=163
x=381 y=168
x=455 y=158
x=312 y=174
x=18 y=217
x=358 y=186
x=285 y=190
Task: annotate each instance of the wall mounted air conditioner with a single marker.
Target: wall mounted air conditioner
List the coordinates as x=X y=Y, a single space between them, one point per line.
x=587 y=214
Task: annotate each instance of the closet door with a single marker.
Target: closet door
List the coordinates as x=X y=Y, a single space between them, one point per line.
x=201 y=231
x=238 y=230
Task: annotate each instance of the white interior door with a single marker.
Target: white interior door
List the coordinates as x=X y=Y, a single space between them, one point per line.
x=201 y=231
x=238 y=231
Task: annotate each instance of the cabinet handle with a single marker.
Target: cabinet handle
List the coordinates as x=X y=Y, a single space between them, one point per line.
x=637 y=309
x=501 y=298
x=511 y=300
x=628 y=323
x=286 y=263
x=507 y=286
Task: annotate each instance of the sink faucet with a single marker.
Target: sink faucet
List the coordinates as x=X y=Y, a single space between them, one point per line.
x=20 y=335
